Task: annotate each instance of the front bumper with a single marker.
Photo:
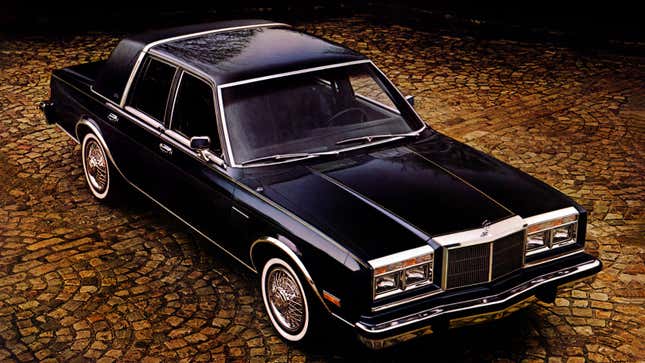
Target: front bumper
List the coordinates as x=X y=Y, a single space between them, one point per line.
x=380 y=332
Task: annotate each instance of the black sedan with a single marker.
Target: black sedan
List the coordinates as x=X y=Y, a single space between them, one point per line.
x=301 y=160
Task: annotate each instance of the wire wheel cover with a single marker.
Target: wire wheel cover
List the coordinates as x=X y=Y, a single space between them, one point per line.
x=96 y=166
x=286 y=300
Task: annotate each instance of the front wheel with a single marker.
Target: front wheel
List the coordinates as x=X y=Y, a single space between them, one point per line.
x=285 y=300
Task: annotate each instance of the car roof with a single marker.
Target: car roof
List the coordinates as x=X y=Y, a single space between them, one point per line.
x=244 y=54
x=226 y=52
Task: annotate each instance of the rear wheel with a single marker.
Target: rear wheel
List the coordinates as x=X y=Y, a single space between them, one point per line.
x=100 y=175
x=285 y=300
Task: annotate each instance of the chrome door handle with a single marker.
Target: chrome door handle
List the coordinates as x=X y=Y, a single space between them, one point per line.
x=112 y=117
x=165 y=149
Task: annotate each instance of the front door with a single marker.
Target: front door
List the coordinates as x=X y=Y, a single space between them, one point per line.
x=198 y=191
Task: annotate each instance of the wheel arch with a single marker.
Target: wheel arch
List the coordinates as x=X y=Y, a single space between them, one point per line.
x=263 y=248
x=86 y=125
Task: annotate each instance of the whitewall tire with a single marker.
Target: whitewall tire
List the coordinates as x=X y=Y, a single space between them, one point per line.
x=285 y=300
x=96 y=167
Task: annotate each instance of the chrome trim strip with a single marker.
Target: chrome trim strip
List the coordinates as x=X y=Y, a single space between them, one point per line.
x=179 y=138
x=157 y=125
x=103 y=97
x=174 y=99
x=146 y=48
x=292 y=73
x=490 y=300
x=376 y=103
x=407 y=104
x=212 y=31
x=100 y=137
x=132 y=118
x=240 y=212
x=68 y=134
x=490 y=261
x=282 y=246
x=479 y=235
x=400 y=256
x=407 y=300
x=553 y=258
x=227 y=140
x=342 y=319
x=183 y=144
x=545 y=217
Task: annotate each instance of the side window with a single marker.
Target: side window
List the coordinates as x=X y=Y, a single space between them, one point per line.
x=152 y=87
x=194 y=112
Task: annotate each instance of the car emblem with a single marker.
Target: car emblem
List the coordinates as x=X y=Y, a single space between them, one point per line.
x=486 y=225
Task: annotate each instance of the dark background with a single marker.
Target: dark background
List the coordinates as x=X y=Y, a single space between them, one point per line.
x=585 y=23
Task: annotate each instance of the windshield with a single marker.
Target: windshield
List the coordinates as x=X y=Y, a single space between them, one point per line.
x=313 y=112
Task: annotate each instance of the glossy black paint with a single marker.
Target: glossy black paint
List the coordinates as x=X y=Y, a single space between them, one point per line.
x=507 y=185
x=336 y=212
x=250 y=53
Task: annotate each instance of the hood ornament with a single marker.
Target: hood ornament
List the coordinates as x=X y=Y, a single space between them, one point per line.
x=486 y=225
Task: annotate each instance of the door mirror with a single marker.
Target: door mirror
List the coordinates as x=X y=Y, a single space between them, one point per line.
x=200 y=142
x=410 y=100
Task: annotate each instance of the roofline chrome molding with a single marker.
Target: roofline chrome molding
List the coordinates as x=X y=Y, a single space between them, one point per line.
x=483 y=234
x=97 y=132
x=286 y=74
x=148 y=46
x=292 y=255
x=487 y=301
x=548 y=216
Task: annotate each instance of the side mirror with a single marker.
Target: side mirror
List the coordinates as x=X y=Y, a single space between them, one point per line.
x=200 y=142
x=410 y=100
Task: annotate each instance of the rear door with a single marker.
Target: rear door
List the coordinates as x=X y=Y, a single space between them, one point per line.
x=141 y=122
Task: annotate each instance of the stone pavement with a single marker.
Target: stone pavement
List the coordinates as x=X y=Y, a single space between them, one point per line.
x=84 y=281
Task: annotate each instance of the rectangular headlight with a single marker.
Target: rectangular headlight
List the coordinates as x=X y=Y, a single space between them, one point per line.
x=551 y=230
x=386 y=283
x=402 y=271
x=564 y=235
x=416 y=274
x=537 y=241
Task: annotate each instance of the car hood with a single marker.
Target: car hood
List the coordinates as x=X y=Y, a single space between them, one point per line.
x=393 y=199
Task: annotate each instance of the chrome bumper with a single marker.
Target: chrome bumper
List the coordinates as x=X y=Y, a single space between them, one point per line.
x=500 y=304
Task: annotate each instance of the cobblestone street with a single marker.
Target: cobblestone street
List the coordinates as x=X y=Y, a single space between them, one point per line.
x=80 y=280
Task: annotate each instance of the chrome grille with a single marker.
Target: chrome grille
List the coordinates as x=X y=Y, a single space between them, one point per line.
x=479 y=263
x=508 y=254
x=468 y=265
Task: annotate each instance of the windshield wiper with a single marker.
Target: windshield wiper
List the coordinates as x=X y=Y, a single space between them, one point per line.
x=370 y=138
x=277 y=157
